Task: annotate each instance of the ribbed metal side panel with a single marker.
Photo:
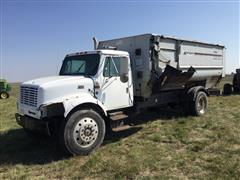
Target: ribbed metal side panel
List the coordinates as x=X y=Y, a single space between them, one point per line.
x=29 y=95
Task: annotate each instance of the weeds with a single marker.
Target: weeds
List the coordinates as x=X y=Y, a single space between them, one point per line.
x=161 y=145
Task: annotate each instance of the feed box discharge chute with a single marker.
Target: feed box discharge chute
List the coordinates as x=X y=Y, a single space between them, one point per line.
x=161 y=63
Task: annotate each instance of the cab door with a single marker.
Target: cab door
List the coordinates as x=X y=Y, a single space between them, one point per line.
x=115 y=90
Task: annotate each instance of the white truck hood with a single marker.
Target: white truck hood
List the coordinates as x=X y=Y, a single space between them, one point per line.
x=55 y=88
x=45 y=81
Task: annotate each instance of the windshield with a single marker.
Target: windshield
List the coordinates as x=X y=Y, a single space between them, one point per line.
x=80 y=65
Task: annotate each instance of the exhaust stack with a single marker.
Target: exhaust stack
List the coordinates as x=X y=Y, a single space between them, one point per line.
x=95 y=41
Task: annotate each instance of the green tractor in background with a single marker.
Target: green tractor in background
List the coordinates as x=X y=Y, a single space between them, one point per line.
x=4 y=89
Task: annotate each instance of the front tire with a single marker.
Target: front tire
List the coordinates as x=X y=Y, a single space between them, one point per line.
x=82 y=132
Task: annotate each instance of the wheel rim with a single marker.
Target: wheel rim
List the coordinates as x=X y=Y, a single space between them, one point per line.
x=85 y=132
x=3 y=95
x=202 y=103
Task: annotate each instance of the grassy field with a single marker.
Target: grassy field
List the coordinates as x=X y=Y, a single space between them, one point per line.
x=161 y=145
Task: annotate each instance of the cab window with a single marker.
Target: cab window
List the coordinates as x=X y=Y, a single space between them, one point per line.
x=112 y=66
x=80 y=65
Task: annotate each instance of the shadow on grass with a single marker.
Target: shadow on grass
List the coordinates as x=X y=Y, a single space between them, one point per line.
x=154 y=114
x=18 y=148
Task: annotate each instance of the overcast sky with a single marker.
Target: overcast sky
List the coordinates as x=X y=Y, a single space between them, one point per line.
x=36 y=35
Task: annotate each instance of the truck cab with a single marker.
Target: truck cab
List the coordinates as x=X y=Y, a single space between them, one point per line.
x=92 y=81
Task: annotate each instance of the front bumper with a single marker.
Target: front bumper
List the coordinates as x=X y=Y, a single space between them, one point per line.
x=44 y=111
x=29 y=123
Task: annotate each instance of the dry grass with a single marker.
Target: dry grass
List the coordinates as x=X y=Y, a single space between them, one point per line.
x=161 y=145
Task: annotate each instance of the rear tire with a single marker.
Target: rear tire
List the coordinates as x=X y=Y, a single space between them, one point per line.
x=82 y=132
x=227 y=89
x=4 y=95
x=199 y=106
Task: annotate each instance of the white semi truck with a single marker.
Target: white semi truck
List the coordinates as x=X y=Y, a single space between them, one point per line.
x=95 y=89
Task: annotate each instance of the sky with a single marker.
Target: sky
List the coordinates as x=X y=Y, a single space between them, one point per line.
x=37 y=34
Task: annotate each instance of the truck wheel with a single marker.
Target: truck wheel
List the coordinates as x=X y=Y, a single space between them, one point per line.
x=82 y=132
x=4 y=95
x=199 y=106
x=227 y=89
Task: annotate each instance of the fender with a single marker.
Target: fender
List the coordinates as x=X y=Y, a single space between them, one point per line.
x=70 y=103
x=66 y=104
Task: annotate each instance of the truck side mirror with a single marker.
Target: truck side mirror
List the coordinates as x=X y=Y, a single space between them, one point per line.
x=124 y=78
x=124 y=69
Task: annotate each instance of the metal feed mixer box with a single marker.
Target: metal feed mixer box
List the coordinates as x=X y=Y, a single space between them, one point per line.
x=161 y=63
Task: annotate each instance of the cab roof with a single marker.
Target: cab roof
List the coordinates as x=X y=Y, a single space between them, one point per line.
x=101 y=51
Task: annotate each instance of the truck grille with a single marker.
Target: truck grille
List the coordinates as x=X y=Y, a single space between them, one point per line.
x=29 y=95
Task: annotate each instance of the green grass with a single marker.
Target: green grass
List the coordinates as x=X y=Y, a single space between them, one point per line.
x=161 y=145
